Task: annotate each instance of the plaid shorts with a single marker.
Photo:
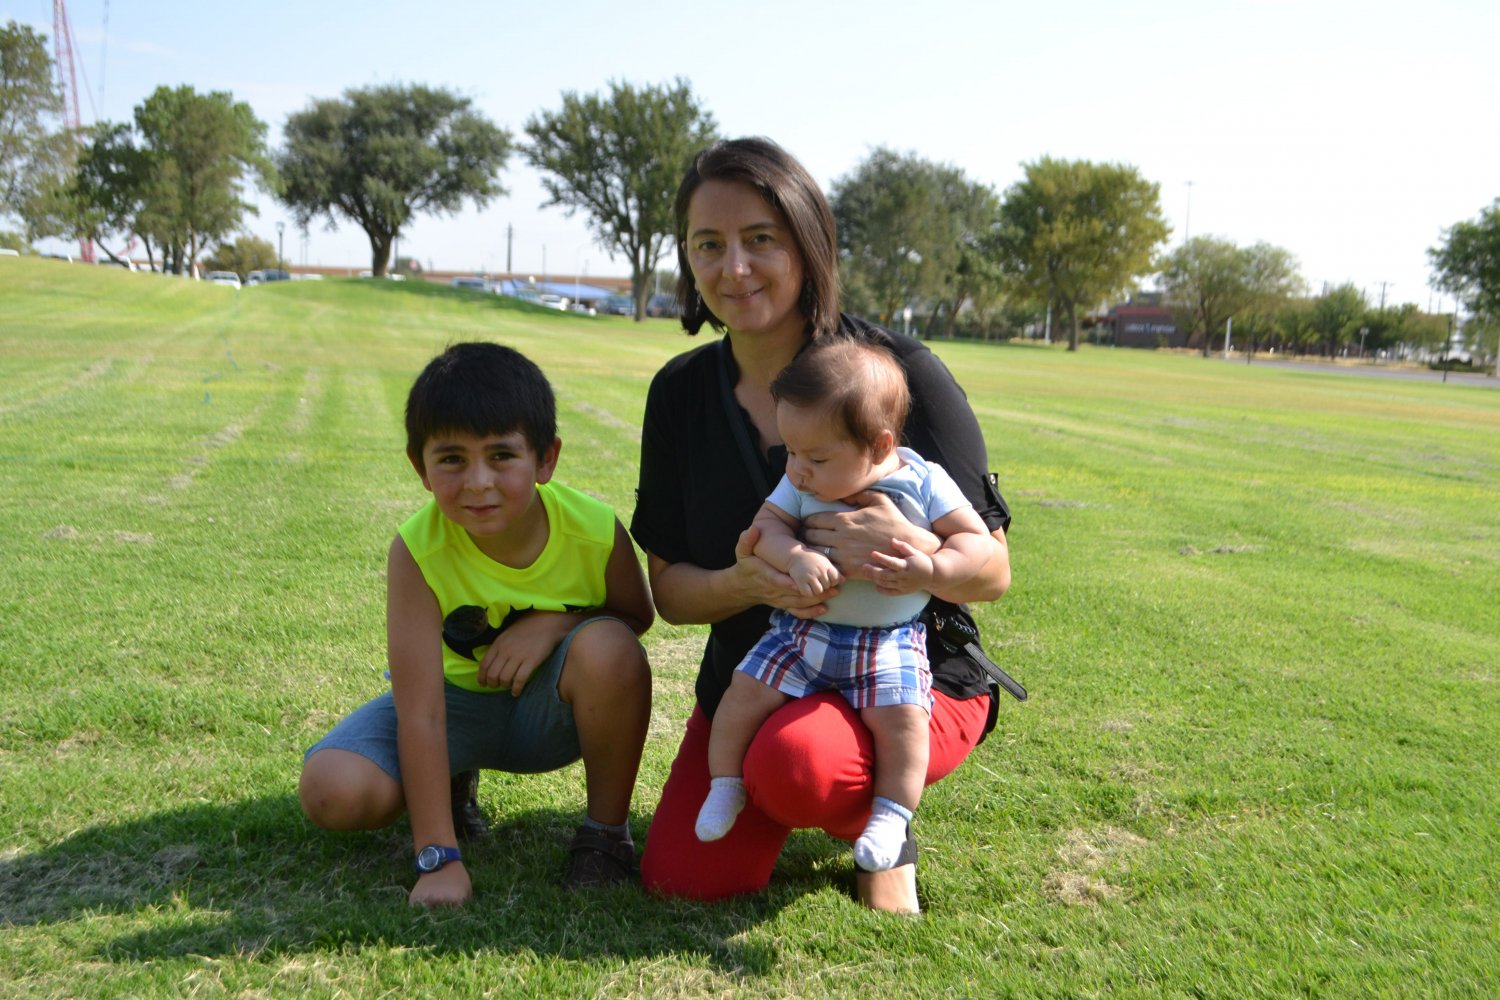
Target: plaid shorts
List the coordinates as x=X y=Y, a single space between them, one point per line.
x=870 y=667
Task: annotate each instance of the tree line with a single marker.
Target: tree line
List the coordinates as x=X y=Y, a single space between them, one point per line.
x=914 y=236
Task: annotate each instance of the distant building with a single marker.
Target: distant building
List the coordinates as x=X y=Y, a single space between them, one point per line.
x=1143 y=321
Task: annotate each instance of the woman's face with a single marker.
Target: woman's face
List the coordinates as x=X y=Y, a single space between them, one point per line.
x=744 y=261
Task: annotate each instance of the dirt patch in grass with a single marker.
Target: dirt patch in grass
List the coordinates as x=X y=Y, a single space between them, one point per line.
x=1083 y=855
x=1219 y=550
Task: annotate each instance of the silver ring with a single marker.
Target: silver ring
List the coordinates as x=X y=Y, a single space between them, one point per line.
x=828 y=551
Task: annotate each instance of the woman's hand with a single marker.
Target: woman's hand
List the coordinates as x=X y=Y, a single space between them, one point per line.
x=761 y=583
x=854 y=535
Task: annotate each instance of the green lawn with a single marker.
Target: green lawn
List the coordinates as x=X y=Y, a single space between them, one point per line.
x=1257 y=611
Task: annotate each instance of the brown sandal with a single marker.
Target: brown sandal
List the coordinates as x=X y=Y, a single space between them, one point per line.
x=599 y=859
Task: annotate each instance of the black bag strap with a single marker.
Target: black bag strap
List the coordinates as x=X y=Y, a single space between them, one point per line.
x=736 y=419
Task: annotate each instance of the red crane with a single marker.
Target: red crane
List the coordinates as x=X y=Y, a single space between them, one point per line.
x=67 y=78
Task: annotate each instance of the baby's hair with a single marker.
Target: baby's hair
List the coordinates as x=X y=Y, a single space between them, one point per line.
x=860 y=385
x=480 y=388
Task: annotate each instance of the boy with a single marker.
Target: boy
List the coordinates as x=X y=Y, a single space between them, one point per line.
x=513 y=607
x=840 y=406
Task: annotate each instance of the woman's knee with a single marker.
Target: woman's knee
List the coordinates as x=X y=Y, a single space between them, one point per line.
x=811 y=765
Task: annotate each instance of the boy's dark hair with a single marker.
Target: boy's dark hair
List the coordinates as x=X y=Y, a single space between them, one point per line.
x=787 y=187
x=480 y=388
x=860 y=385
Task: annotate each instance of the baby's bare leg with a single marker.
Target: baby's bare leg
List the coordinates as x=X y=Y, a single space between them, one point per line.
x=746 y=705
x=900 y=733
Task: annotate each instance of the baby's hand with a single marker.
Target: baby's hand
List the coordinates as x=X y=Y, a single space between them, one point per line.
x=812 y=572
x=907 y=572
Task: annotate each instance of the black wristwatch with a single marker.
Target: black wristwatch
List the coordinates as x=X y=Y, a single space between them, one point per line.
x=434 y=856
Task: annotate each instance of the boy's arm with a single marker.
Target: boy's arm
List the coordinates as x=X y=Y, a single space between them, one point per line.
x=526 y=643
x=626 y=594
x=415 y=656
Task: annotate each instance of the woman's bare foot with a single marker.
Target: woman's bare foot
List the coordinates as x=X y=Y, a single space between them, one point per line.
x=891 y=891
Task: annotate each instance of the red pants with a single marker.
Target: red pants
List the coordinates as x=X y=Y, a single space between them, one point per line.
x=808 y=766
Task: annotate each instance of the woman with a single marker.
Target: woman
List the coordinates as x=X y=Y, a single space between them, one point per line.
x=758 y=261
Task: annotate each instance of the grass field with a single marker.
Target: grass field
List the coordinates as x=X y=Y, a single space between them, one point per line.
x=1257 y=611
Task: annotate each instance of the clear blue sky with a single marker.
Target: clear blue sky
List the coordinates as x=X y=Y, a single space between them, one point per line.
x=1350 y=133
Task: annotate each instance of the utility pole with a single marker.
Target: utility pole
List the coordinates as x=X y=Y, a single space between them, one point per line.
x=1187 y=221
x=1383 y=285
x=510 y=234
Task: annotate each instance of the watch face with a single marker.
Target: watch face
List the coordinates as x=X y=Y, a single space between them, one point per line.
x=430 y=859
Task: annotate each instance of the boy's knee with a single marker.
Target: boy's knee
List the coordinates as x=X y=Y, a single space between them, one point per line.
x=320 y=800
x=333 y=798
x=606 y=655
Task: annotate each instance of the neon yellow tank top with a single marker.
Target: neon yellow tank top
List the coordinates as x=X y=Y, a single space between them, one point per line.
x=567 y=576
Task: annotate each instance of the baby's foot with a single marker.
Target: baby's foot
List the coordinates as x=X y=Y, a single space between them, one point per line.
x=878 y=847
x=726 y=797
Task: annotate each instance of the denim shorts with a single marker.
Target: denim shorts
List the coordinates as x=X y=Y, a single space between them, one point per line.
x=489 y=730
x=870 y=666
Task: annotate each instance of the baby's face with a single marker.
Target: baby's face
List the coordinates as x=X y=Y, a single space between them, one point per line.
x=819 y=459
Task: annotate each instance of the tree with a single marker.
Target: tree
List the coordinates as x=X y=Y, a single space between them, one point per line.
x=107 y=194
x=246 y=254
x=199 y=149
x=36 y=152
x=1209 y=281
x=619 y=159
x=975 y=277
x=379 y=155
x=1336 y=316
x=907 y=231
x=892 y=244
x=1073 y=233
x=1467 y=263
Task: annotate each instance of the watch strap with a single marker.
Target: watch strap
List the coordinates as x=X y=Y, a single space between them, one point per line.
x=444 y=855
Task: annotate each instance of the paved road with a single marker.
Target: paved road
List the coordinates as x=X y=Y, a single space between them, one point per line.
x=1488 y=381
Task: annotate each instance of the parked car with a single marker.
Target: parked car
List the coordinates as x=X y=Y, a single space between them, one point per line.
x=617 y=305
x=476 y=284
x=552 y=301
x=223 y=278
x=661 y=305
x=255 y=277
x=583 y=307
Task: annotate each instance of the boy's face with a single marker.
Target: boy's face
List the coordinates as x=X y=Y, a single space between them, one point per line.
x=485 y=483
x=819 y=459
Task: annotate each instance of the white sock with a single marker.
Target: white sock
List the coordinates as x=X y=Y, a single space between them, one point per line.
x=878 y=847
x=726 y=797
